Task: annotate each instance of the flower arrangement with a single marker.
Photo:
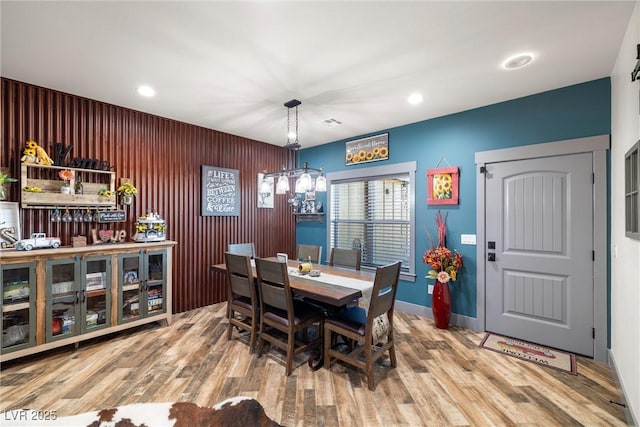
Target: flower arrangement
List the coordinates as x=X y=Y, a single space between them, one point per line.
x=444 y=263
x=127 y=189
x=66 y=175
x=103 y=192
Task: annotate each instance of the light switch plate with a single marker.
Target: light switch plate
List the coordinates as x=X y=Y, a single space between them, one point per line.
x=430 y=289
x=468 y=239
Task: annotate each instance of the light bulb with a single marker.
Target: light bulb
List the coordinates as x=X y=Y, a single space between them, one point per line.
x=282 y=187
x=321 y=183
x=305 y=182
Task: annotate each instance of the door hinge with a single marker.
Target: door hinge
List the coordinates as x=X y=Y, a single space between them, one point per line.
x=593 y=178
x=483 y=169
x=593 y=255
x=593 y=333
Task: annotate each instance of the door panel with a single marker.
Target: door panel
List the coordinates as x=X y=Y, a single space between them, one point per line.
x=539 y=213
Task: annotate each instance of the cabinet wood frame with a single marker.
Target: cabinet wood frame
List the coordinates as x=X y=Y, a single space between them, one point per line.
x=40 y=258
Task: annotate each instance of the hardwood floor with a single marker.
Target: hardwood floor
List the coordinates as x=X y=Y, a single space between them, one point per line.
x=443 y=378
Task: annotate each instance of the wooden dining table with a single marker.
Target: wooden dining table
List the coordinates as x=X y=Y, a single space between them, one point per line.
x=318 y=289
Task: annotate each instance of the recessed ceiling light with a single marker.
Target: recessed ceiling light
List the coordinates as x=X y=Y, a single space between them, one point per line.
x=517 y=61
x=146 y=91
x=414 y=99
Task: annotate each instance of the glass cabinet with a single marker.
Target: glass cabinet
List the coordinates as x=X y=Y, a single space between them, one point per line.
x=142 y=285
x=96 y=293
x=63 y=297
x=18 y=306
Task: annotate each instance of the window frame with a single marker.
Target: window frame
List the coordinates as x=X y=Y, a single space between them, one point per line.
x=631 y=177
x=376 y=172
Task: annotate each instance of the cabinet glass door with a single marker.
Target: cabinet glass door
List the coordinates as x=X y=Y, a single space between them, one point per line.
x=130 y=284
x=63 y=298
x=96 y=293
x=155 y=284
x=18 y=306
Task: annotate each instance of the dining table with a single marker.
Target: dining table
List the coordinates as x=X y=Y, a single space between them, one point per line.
x=334 y=288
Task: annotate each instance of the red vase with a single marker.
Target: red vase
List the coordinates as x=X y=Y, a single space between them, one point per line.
x=441 y=305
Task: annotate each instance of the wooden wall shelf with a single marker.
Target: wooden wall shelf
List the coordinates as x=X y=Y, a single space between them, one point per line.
x=309 y=217
x=46 y=178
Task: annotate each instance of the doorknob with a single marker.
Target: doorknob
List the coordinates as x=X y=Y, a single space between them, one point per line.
x=491 y=256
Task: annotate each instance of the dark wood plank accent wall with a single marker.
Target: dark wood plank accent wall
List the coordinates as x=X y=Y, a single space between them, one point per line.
x=163 y=158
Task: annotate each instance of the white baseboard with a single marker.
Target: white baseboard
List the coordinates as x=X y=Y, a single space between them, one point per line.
x=632 y=419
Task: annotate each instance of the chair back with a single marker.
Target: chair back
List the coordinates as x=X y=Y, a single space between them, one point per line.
x=239 y=276
x=346 y=258
x=273 y=284
x=306 y=252
x=385 y=287
x=246 y=249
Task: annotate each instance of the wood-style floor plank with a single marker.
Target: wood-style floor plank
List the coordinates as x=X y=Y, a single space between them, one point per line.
x=443 y=379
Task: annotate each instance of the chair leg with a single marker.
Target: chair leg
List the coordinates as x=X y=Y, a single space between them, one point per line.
x=252 y=338
x=392 y=355
x=369 y=367
x=260 y=340
x=327 y=346
x=290 y=347
x=230 y=327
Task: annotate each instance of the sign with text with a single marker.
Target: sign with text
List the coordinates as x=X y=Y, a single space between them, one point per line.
x=112 y=216
x=365 y=150
x=220 y=191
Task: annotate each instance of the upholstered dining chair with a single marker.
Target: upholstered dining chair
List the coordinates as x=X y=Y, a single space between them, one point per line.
x=371 y=331
x=246 y=249
x=281 y=314
x=242 y=297
x=345 y=258
x=309 y=252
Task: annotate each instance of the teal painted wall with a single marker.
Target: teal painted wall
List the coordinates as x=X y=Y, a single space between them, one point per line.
x=572 y=112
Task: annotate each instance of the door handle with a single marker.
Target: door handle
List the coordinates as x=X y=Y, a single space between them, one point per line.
x=491 y=256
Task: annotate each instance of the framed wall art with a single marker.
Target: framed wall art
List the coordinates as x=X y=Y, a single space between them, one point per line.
x=265 y=199
x=9 y=224
x=442 y=186
x=365 y=150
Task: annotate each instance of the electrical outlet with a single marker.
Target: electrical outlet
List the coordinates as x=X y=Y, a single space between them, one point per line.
x=430 y=289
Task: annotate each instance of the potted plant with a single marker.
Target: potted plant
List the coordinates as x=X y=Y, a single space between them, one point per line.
x=126 y=192
x=445 y=265
x=5 y=179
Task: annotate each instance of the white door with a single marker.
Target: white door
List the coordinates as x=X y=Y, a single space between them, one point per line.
x=539 y=237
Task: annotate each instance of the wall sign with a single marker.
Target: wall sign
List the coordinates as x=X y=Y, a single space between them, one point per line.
x=365 y=150
x=112 y=216
x=220 y=191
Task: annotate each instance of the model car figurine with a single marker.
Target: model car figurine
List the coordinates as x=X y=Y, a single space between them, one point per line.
x=38 y=240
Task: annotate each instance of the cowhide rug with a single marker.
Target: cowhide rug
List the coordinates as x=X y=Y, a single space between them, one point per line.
x=237 y=411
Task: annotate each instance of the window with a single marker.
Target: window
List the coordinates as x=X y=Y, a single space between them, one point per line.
x=372 y=209
x=632 y=191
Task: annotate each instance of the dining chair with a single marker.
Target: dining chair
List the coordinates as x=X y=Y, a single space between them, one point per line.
x=281 y=314
x=306 y=252
x=246 y=249
x=371 y=330
x=242 y=297
x=345 y=258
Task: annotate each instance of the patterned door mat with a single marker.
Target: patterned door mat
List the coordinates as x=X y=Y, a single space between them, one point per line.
x=524 y=350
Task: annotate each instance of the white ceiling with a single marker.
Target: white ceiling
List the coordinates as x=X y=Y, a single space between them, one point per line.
x=231 y=66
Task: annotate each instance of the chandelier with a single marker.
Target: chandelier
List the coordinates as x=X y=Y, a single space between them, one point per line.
x=305 y=175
